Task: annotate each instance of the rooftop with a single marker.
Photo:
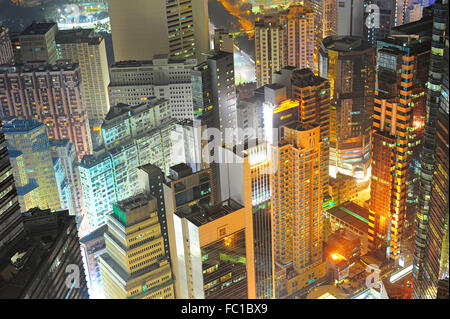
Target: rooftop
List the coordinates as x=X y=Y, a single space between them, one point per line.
x=352 y=214
x=14 y=125
x=99 y=232
x=134 y=202
x=345 y=43
x=77 y=36
x=201 y=215
x=38 y=28
x=305 y=77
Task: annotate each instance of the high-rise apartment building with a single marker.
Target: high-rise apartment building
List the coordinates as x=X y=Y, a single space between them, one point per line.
x=30 y=137
x=83 y=47
x=432 y=250
x=214 y=93
x=296 y=190
x=37 y=43
x=135 y=265
x=299 y=39
x=144 y=28
x=11 y=225
x=6 y=50
x=269 y=45
x=349 y=65
x=313 y=92
x=399 y=89
x=134 y=82
x=52 y=94
x=133 y=137
x=46 y=261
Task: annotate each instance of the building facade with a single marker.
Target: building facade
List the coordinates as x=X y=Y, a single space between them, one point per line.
x=134 y=82
x=52 y=94
x=82 y=46
x=147 y=28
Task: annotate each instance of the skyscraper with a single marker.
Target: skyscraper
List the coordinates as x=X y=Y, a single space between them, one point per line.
x=11 y=225
x=216 y=238
x=381 y=21
x=431 y=253
x=82 y=46
x=214 y=93
x=349 y=65
x=296 y=190
x=52 y=94
x=47 y=262
x=31 y=139
x=135 y=265
x=299 y=39
x=223 y=41
x=134 y=82
x=27 y=189
x=6 y=51
x=399 y=90
x=313 y=92
x=269 y=45
x=145 y=28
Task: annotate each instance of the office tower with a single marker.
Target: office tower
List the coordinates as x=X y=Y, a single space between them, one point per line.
x=133 y=82
x=27 y=189
x=378 y=26
x=46 y=263
x=343 y=188
x=37 y=43
x=135 y=265
x=399 y=89
x=296 y=190
x=313 y=92
x=145 y=28
x=431 y=252
x=349 y=65
x=11 y=225
x=214 y=93
x=53 y=95
x=350 y=18
x=216 y=237
x=299 y=40
x=62 y=184
x=223 y=41
x=6 y=50
x=92 y=247
x=30 y=137
x=65 y=151
x=260 y=165
x=330 y=20
x=269 y=45
x=82 y=46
